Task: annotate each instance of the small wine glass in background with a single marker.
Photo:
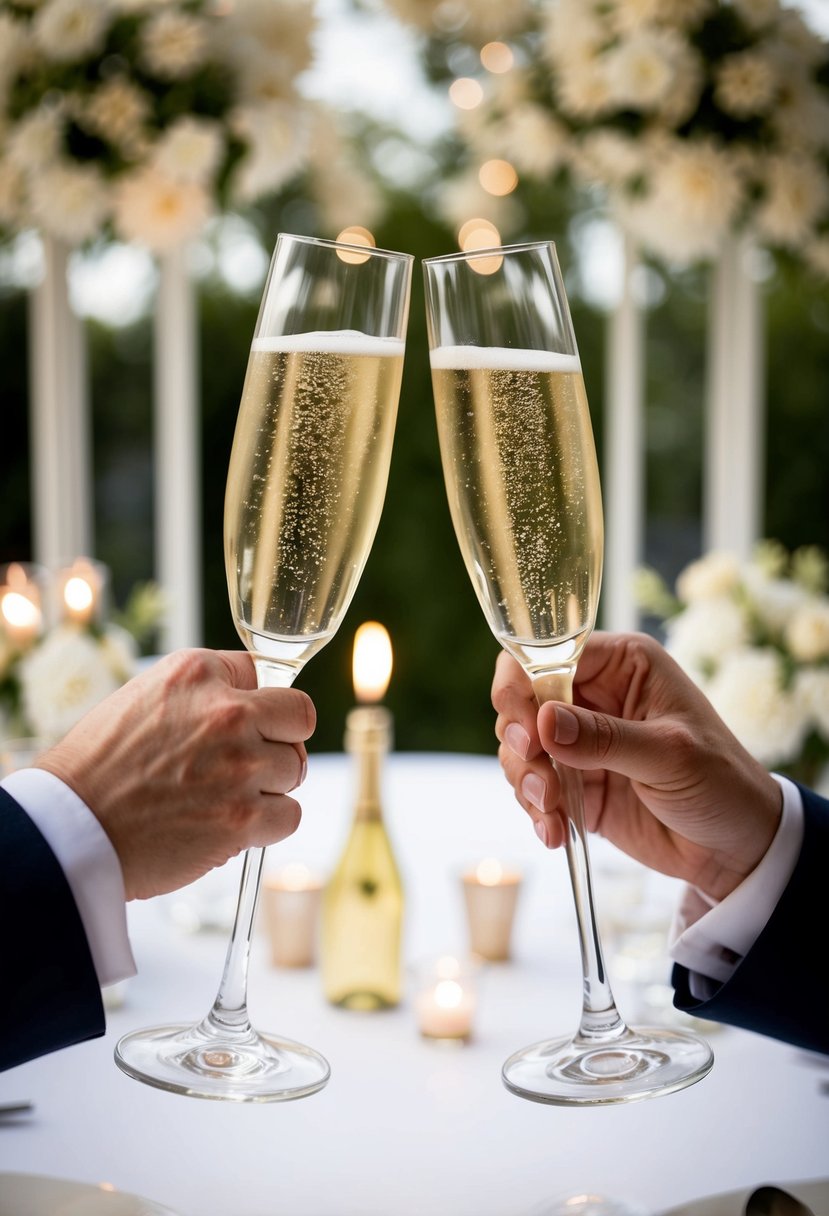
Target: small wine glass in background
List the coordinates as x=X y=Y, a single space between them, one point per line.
x=522 y=480
x=305 y=488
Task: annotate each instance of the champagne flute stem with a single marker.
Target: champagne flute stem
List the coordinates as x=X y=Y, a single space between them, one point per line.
x=229 y=1013
x=600 y=1019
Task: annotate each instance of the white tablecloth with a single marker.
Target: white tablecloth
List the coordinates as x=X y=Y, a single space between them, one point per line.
x=406 y=1126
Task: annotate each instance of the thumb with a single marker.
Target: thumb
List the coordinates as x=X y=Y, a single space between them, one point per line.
x=239 y=668
x=587 y=739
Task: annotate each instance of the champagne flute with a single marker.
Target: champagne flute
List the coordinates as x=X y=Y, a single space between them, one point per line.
x=305 y=488
x=523 y=486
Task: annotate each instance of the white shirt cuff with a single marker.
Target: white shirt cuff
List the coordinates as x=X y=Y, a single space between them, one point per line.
x=88 y=860
x=710 y=938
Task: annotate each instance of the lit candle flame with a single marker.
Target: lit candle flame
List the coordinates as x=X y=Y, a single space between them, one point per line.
x=77 y=594
x=372 y=662
x=489 y=872
x=20 y=612
x=448 y=994
x=294 y=877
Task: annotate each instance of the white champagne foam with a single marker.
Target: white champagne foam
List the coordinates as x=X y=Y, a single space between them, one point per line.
x=331 y=342
x=501 y=359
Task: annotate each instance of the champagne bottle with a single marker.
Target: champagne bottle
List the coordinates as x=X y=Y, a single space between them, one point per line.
x=362 y=911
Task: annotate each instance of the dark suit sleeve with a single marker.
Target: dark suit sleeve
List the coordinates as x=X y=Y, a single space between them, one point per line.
x=51 y=997
x=781 y=987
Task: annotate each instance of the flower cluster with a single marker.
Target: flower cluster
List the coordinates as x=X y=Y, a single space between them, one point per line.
x=695 y=117
x=755 y=637
x=139 y=117
x=48 y=683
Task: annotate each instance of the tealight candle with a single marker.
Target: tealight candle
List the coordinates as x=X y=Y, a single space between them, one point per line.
x=291 y=899
x=445 y=1000
x=491 y=894
x=20 y=605
x=80 y=589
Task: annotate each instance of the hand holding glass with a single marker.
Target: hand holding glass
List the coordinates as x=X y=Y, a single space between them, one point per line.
x=305 y=488
x=523 y=485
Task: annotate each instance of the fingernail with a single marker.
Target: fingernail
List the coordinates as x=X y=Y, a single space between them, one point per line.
x=541 y=832
x=534 y=788
x=567 y=726
x=304 y=773
x=517 y=739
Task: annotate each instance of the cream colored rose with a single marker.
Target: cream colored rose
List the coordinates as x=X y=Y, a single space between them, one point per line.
x=807 y=632
x=749 y=695
x=705 y=633
x=68 y=675
x=714 y=575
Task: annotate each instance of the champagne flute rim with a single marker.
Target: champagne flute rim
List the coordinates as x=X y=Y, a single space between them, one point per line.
x=466 y=255
x=370 y=250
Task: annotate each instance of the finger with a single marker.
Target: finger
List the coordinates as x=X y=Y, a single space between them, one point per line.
x=538 y=791
x=239 y=667
x=280 y=817
x=517 y=708
x=285 y=715
x=646 y=752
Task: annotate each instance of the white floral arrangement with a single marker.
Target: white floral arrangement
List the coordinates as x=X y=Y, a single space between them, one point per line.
x=696 y=118
x=755 y=637
x=139 y=118
x=48 y=683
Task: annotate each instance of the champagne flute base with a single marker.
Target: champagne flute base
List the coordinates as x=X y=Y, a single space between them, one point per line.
x=642 y=1063
x=244 y=1066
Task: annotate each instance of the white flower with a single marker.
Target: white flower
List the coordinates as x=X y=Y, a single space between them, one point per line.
x=117 y=111
x=270 y=44
x=158 y=212
x=277 y=139
x=798 y=38
x=800 y=116
x=746 y=84
x=583 y=89
x=812 y=688
x=609 y=156
x=67 y=30
x=682 y=98
x=173 y=44
x=572 y=32
x=640 y=69
x=705 y=632
x=527 y=135
x=712 y=576
x=747 y=692
x=807 y=631
x=14 y=40
x=64 y=677
x=758 y=13
x=69 y=201
x=773 y=599
x=628 y=15
x=190 y=150
x=34 y=142
x=694 y=194
x=797 y=193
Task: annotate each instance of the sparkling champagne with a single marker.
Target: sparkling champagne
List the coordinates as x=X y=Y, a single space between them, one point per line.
x=523 y=483
x=362 y=910
x=306 y=483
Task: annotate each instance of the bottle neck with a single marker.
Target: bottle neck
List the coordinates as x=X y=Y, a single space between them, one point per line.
x=368 y=738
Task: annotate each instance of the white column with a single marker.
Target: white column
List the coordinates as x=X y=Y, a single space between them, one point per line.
x=178 y=528
x=61 y=461
x=624 y=446
x=735 y=417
